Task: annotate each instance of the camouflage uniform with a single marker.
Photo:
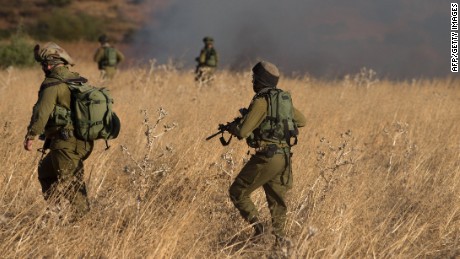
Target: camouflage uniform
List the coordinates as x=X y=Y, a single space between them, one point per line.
x=100 y=57
x=61 y=171
x=207 y=61
x=270 y=171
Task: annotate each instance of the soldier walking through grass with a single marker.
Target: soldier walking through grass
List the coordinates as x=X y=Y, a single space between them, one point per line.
x=270 y=127
x=107 y=58
x=207 y=61
x=60 y=172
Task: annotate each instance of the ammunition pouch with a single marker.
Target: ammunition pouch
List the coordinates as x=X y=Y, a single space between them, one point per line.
x=65 y=134
x=60 y=117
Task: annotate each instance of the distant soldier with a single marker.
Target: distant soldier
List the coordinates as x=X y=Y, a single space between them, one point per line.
x=107 y=58
x=270 y=127
x=207 y=61
x=60 y=172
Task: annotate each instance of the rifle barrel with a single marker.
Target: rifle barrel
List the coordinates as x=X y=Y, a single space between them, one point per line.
x=213 y=135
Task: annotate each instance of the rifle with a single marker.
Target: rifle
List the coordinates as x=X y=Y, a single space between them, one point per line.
x=224 y=127
x=46 y=145
x=197 y=68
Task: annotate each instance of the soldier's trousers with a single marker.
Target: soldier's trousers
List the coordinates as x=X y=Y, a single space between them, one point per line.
x=61 y=173
x=204 y=74
x=108 y=73
x=274 y=175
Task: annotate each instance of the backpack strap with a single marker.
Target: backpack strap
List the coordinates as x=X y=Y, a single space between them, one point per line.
x=44 y=86
x=288 y=134
x=106 y=54
x=77 y=80
x=262 y=92
x=278 y=106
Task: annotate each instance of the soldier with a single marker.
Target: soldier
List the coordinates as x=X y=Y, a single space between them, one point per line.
x=107 y=58
x=270 y=127
x=60 y=172
x=207 y=61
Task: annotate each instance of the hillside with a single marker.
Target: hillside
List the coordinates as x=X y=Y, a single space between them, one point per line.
x=119 y=18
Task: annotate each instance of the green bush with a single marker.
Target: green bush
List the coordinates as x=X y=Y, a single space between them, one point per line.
x=19 y=52
x=4 y=34
x=67 y=26
x=59 y=2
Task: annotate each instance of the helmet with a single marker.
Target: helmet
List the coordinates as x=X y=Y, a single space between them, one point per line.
x=208 y=40
x=266 y=74
x=103 y=38
x=52 y=53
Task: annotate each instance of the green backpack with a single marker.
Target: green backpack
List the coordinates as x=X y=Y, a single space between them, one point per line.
x=279 y=125
x=91 y=111
x=211 y=58
x=110 y=57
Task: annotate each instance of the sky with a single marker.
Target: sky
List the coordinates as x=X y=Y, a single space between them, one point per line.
x=323 y=38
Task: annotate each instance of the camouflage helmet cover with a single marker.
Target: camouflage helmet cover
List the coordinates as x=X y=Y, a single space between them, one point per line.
x=208 y=40
x=266 y=74
x=53 y=54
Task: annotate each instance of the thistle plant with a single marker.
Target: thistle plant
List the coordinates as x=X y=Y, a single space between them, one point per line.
x=146 y=168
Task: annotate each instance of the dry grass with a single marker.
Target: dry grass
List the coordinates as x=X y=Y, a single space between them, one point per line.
x=376 y=171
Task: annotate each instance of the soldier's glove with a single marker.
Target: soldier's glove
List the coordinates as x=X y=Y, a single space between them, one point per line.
x=233 y=129
x=243 y=111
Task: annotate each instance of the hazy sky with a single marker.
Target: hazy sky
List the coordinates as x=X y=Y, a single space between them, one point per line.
x=397 y=38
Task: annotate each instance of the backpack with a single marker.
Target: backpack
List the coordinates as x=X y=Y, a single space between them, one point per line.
x=279 y=125
x=211 y=58
x=91 y=111
x=110 y=57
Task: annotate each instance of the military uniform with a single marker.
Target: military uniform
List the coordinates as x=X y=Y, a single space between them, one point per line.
x=61 y=171
x=269 y=167
x=207 y=61
x=107 y=68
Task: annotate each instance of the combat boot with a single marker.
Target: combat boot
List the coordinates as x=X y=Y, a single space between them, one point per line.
x=258 y=226
x=283 y=246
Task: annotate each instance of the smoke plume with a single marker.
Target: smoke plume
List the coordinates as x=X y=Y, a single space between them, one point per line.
x=326 y=38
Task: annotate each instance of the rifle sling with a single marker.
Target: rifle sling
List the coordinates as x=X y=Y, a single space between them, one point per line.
x=80 y=80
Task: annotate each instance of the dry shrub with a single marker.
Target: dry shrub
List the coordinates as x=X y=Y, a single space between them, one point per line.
x=376 y=172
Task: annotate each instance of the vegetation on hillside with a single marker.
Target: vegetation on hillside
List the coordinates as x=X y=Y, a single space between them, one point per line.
x=26 y=21
x=17 y=52
x=71 y=20
x=67 y=26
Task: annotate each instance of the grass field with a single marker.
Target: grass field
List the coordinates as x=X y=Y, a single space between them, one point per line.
x=376 y=171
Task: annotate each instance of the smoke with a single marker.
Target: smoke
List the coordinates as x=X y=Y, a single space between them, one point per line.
x=327 y=38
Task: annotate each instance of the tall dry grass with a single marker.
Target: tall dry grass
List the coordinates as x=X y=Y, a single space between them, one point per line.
x=376 y=171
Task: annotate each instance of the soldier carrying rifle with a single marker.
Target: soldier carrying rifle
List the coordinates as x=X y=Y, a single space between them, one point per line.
x=207 y=62
x=270 y=126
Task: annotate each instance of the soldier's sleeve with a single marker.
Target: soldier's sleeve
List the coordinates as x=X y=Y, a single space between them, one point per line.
x=120 y=56
x=42 y=111
x=202 y=57
x=98 y=55
x=299 y=118
x=257 y=112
